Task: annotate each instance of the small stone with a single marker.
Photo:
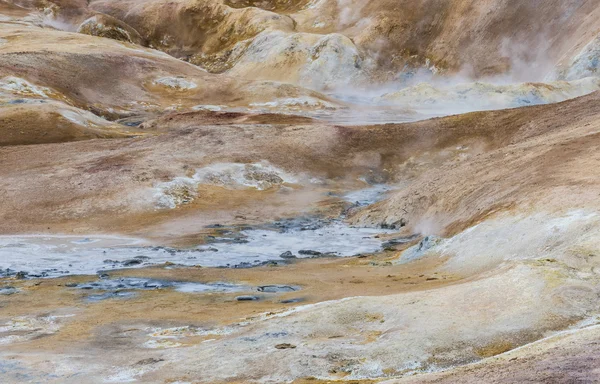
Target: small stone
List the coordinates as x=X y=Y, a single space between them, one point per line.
x=247 y=298
x=287 y=255
x=308 y=252
x=243 y=265
x=21 y=275
x=285 y=346
x=292 y=301
x=150 y=360
x=131 y=262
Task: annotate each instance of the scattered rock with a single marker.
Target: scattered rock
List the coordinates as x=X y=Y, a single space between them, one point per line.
x=308 y=252
x=287 y=255
x=148 y=361
x=395 y=225
x=285 y=346
x=244 y=265
x=276 y=288
x=21 y=275
x=131 y=262
x=397 y=241
x=247 y=298
x=210 y=249
x=292 y=301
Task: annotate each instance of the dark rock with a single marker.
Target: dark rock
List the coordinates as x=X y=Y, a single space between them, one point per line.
x=401 y=223
x=395 y=225
x=6 y=272
x=292 y=301
x=131 y=262
x=211 y=249
x=150 y=360
x=21 y=275
x=243 y=265
x=287 y=255
x=285 y=346
x=400 y=240
x=308 y=252
x=247 y=298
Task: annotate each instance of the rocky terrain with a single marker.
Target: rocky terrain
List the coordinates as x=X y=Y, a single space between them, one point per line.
x=299 y=191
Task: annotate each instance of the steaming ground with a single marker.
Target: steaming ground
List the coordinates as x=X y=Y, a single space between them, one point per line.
x=234 y=191
x=336 y=80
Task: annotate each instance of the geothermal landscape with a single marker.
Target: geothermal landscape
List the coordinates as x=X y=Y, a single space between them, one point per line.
x=299 y=191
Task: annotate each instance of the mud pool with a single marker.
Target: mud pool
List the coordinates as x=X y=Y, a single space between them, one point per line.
x=54 y=256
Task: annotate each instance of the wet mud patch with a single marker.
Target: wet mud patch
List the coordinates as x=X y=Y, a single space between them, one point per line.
x=296 y=238
x=125 y=287
x=55 y=256
x=8 y=290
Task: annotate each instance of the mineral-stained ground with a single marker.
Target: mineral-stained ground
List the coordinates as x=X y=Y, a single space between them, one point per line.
x=299 y=191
